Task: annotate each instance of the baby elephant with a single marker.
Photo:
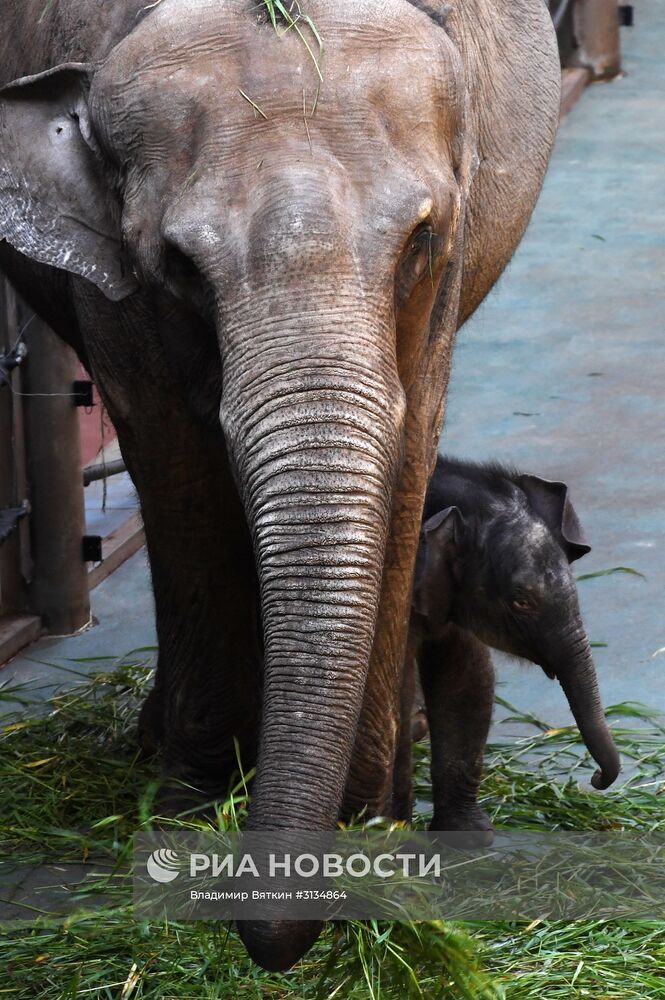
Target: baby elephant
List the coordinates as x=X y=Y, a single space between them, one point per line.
x=493 y=569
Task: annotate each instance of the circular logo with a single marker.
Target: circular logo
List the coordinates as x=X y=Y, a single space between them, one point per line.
x=163 y=865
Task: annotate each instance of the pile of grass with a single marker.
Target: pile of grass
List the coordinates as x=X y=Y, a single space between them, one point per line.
x=74 y=789
x=541 y=781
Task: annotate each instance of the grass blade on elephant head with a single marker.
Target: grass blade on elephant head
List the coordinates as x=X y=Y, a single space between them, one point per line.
x=610 y=572
x=276 y=7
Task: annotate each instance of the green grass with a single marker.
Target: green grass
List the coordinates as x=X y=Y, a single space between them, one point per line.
x=74 y=788
x=600 y=960
x=290 y=16
x=284 y=15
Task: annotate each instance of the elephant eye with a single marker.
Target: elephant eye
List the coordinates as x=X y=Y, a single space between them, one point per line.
x=521 y=604
x=421 y=251
x=417 y=262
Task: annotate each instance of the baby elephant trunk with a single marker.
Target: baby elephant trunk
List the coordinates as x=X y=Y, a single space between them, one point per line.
x=577 y=675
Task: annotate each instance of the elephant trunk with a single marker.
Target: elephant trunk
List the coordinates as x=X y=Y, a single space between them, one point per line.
x=577 y=675
x=315 y=445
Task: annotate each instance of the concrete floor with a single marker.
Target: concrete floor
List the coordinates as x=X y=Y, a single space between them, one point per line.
x=561 y=372
x=103 y=514
x=122 y=609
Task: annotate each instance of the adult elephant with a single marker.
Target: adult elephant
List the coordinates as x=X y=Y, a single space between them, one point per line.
x=265 y=271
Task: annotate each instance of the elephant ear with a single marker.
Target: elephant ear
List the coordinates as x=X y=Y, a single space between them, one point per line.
x=438 y=10
x=433 y=582
x=55 y=202
x=551 y=502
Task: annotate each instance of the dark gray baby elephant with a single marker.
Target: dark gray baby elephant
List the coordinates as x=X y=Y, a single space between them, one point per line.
x=493 y=569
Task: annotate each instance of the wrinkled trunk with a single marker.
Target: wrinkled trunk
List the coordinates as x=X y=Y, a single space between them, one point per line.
x=576 y=673
x=314 y=433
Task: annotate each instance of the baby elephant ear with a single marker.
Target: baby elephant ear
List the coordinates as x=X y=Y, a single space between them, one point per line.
x=432 y=590
x=551 y=502
x=56 y=205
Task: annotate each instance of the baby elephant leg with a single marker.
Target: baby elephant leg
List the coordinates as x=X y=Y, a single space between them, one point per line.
x=458 y=683
x=419 y=723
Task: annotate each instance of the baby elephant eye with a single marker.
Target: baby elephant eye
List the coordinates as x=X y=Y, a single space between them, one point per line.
x=521 y=604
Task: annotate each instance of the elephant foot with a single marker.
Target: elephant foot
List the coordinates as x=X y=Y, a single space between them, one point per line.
x=467 y=827
x=419 y=725
x=151 y=726
x=178 y=795
x=195 y=782
x=402 y=802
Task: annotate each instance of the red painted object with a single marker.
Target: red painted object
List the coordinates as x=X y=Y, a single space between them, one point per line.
x=96 y=427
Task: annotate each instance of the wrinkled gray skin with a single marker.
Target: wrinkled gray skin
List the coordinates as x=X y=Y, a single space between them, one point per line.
x=268 y=303
x=493 y=569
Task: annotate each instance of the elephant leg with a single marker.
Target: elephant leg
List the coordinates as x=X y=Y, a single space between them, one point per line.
x=207 y=688
x=402 y=804
x=382 y=727
x=371 y=780
x=419 y=723
x=458 y=683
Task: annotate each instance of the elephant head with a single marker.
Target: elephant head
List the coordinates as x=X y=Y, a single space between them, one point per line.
x=495 y=559
x=311 y=218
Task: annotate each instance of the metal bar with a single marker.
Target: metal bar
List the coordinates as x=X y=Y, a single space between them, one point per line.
x=562 y=12
x=59 y=586
x=93 y=473
x=558 y=10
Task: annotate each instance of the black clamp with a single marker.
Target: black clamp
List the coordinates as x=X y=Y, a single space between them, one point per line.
x=11 y=360
x=82 y=393
x=92 y=548
x=626 y=15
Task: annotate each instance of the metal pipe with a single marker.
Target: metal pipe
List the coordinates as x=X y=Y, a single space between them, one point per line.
x=93 y=473
x=59 y=586
x=558 y=11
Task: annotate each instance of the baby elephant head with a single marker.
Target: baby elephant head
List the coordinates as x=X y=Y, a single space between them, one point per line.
x=495 y=554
